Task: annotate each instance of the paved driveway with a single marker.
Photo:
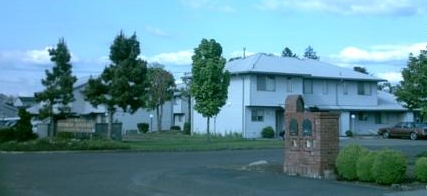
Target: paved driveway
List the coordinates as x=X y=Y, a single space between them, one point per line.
x=182 y=173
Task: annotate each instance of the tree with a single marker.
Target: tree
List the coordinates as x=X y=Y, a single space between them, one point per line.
x=123 y=83
x=412 y=90
x=210 y=82
x=361 y=70
x=386 y=87
x=59 y=85
x=24 y=128
x=310 y=53
x=160 y=90
x=287 y=52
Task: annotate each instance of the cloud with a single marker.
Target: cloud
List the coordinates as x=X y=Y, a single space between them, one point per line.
x=208 y=5
x=182 y=57
x=392 y=77
x=377 y=53
x=156 y=31
x=36 y=56
x=364 y=7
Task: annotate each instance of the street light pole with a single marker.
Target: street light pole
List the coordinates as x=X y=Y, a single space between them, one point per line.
x=352 y=122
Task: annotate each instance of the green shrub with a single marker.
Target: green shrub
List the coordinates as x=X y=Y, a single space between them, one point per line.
x=143 y=127
x=349 y=133
x=389 y=167
x=7 y=134
x=421 y=169
x=346 y=161
x=64 y=135
x=267 y=132
x=364 y=166
x=187 y=128
x=24 y=128
x=175 y=128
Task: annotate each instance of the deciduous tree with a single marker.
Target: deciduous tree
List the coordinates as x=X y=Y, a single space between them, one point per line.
x=58 y=85
x=160 y=89
x=123 y=83
x=210 y=82
x=412 y=90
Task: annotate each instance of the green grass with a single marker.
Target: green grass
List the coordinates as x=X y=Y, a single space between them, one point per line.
x=151 y=142
x=175 y=141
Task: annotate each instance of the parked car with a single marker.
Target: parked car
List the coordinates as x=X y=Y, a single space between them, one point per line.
x=405 y=129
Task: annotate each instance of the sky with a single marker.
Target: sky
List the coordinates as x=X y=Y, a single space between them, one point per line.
x=375 y=34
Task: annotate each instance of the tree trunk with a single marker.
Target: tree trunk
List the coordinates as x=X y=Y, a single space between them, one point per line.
x=110 y=124
x=189 y=111
x=207 y=130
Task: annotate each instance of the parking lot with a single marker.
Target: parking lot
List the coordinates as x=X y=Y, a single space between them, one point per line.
x=174 y=173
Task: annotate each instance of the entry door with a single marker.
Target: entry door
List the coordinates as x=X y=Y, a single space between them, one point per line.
x=280 y=122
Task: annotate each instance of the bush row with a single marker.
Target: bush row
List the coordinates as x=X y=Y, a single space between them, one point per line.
x=383 y=167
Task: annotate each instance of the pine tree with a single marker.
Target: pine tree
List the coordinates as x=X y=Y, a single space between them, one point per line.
x=58 y=93
x=310 y=53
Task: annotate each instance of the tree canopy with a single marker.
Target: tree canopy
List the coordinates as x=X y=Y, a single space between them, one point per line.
x=58 y=84
x=123 y=83
x=160 y=89
x=310 y=53
x=360 y=69
x=210 y=82
x=412 y=90
x=287 y=52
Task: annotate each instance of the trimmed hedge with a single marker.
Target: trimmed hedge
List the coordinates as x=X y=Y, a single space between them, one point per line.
x=364 y=166
x=346 y=161
x=389 y=167
x=421 y=169
x=267 y=132
x=175 y=128
x=143 y=127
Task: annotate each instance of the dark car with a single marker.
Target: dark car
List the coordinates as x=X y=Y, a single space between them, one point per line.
x=405 y=129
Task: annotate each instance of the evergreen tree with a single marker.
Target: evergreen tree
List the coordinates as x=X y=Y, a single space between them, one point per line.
x=24 y=128
x=287 y=52
x=360 y=70
x=58 y=93
x=160 y=90
x=209 y=85
x=310 y=53
x=123 y=83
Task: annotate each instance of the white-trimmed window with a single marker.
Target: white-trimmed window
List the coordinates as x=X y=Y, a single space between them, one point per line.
x=363 y=88
x=289 y=84
x=381 y=118
x=325 y=87
x=266 y=83
x=257 y=115
x=308 y=86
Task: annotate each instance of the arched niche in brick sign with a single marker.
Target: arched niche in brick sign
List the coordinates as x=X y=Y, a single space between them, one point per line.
x=293 y=127
x=306 y=126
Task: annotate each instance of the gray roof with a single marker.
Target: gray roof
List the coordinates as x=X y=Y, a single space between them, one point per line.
x=262 y=63
x=386 y=102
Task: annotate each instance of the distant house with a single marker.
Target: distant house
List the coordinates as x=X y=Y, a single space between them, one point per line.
x=24 y=102
x=7 y=110
x=260 y=84
x=83 y=109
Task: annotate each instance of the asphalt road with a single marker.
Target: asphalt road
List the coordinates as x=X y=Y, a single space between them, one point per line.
x=167 y=173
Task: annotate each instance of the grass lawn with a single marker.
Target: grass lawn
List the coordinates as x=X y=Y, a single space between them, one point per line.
x=176 y=141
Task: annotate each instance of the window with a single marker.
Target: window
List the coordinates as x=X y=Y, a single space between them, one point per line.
x=308 y=86
x=293 y=127
x=266 y=83
x=257 y=115
x=380 y=118
x=325 y=87
x=289 y=84
x=363 y=88
x=362 y=116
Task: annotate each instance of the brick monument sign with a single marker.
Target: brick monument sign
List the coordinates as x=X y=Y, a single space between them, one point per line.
x=311 y=140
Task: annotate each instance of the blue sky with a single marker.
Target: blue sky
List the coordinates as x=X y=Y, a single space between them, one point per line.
x=375 y=34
